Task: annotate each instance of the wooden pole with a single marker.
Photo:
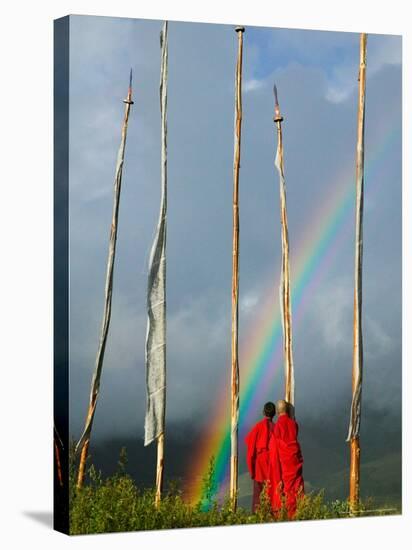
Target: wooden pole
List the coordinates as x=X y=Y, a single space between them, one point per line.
x=159 y=469
x=354 y=474
x=235 y=279
x=95 y=386
x=357 y=367
x=82 y=463
x=284 y=288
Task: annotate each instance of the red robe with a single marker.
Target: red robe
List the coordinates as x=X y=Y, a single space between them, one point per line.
x=258 y=458
x=275 y=473
x=290 y=459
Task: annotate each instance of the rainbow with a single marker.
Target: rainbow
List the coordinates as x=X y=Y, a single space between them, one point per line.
x=261 y=356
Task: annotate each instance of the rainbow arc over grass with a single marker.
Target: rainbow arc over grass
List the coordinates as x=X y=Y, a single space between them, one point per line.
x=261 y=361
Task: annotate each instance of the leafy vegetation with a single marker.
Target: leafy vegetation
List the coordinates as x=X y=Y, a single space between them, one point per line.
x=115 y=504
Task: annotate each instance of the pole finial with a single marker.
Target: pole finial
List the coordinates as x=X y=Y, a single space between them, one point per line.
x=128 y=99
x=278 y=117
x=239 y=28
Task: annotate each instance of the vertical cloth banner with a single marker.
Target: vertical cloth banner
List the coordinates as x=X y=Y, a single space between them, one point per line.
x=156 y=294
x=355 y=411
x=284 y=287
x=95 y=386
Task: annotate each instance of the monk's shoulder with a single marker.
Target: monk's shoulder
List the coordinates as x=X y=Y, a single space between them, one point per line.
x=251 y=433
x=262 y=421
x=261 y=424
x=294 y=423
x=289 y=421
x=256 y=427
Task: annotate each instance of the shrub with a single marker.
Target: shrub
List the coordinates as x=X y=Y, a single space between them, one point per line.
x=115 y=504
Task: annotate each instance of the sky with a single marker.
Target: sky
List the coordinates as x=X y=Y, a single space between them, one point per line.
x=316 y=76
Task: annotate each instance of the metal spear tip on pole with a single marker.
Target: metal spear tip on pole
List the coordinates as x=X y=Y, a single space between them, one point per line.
x=278 y=117
x=129 y=92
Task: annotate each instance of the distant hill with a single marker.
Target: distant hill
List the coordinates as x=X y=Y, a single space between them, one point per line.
x=381 y=479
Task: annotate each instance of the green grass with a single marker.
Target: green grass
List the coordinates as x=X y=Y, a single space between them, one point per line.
x=116 y=504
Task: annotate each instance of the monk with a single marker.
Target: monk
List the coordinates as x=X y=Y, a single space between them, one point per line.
x=258 y=454
x=289 y=455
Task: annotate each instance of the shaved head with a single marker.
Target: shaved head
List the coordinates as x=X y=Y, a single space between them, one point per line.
x=281 y=406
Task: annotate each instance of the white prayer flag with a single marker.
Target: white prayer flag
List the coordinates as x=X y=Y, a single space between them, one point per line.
x=156 y=296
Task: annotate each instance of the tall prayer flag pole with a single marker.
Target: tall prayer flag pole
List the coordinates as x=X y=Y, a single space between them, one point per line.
x=156 y=300
x=357 y=368
x=284 y=288
x=234 y=474
x=84 y=441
